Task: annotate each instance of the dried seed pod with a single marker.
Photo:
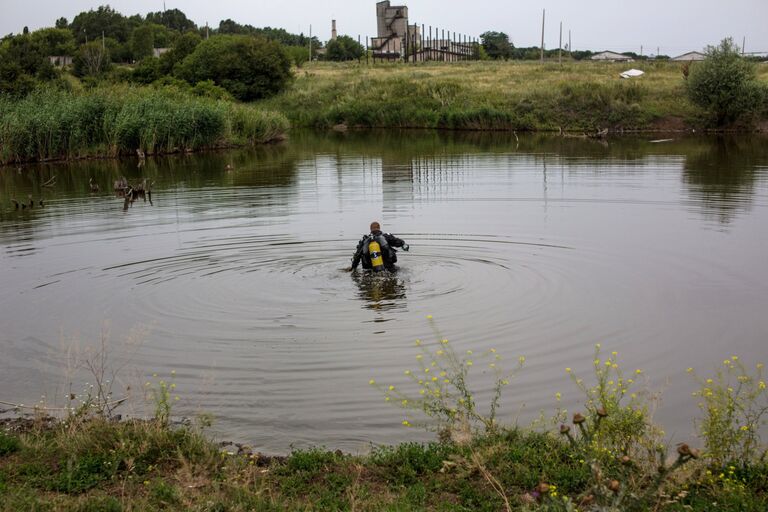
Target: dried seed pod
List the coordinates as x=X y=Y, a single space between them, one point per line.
x=601 y=412
x=626 y=460
x=614 y=486
x=684 y=450
x=578 y=419
x=564 y=429
x=543 y=488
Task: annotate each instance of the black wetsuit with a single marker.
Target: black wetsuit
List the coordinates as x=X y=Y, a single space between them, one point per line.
x=387 y=242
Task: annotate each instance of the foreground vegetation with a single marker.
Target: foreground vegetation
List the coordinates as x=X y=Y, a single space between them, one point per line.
x=607 y=456
x=119 y=120
x=517 y=95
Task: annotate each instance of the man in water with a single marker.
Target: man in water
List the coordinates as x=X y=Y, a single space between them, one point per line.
x=377 y=250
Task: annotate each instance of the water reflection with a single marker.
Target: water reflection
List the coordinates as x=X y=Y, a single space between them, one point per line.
x=380 y=291
x=722 y=174
x=719 y=172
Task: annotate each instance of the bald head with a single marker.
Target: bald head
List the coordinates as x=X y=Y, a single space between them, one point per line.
x=375 y=226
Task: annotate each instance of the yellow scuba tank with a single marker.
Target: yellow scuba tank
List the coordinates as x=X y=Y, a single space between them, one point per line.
x=377 y=260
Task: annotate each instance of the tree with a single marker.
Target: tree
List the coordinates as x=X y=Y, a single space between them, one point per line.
x=173 y=19
x=28 y=53
x=142 y=42
x=184 y=45
x=62 y=23
x=104 y=20
x=344 y=48
x=249 y=68
x=497 y=45
x=724 y=84
x=91 y=60
x=55 y=41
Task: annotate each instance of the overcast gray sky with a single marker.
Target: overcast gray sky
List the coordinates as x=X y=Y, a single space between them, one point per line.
x=673 y=26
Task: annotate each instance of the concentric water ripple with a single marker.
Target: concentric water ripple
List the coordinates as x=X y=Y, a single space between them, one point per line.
x=235 y=280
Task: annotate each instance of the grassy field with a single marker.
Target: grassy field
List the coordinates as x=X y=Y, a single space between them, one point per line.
x=518 y=95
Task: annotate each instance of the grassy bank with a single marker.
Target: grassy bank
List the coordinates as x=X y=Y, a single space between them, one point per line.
x=608 y=456
x=112 y=466
x=518 y=95
x=113 y=121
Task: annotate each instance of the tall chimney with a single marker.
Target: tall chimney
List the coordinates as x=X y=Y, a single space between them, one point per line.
x=333 y=30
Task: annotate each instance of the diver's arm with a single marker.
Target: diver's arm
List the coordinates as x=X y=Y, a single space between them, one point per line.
x=393 y=241
x=358 y=255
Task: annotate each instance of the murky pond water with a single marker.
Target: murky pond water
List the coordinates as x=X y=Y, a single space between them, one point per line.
x=231 y=276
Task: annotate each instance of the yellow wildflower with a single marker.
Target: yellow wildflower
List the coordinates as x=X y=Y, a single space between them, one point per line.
x=371 y=382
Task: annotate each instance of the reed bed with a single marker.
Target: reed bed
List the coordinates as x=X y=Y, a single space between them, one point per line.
x=119 y=120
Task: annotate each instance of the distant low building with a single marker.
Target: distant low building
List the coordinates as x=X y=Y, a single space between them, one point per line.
x=690 y=56
x=157 y=52
x=611 y=57
x=60 y=61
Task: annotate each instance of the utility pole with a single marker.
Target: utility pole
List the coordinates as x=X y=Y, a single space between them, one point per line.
x=560 y=49
x=743 y=45
x=543 y=17
x=570 y=48
x=207 y=35
x=310 y=43
x=641 y=50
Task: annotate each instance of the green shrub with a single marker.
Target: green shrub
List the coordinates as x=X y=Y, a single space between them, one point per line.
x=249 y=68
x=724 y=84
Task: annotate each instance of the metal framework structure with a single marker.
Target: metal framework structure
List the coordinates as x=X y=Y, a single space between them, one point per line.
x=398 y=40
